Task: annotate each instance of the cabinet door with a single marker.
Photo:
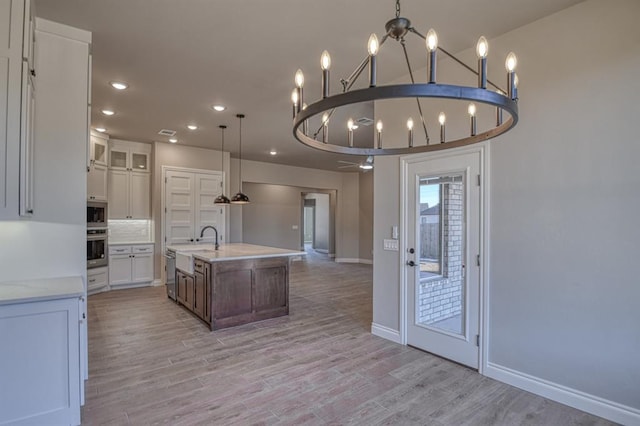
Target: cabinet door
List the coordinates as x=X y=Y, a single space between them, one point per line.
x=181 y=288
x=119 y=269
x=97 y=183
x=139 y=160
x=118 y=158
x=141 y=267
x=139 y=198
x=199 y=294
x=118 y=186
x=27 y=142
x=98 y=150
x=188 y=294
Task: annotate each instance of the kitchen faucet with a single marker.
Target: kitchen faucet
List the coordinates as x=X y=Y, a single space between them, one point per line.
x=215 y=230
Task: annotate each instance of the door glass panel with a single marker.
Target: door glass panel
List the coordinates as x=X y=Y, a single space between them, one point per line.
x=118 y=159
x=441 y=298
x=139 y=161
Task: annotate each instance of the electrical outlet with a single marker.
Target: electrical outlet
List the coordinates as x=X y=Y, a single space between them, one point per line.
x=294 y=227
x=390 y=245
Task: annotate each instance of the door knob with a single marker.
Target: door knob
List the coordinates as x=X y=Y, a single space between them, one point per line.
x=411 y=250
x=411 y=263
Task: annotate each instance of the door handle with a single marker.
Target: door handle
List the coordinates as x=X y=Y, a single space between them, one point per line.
x=411 y=263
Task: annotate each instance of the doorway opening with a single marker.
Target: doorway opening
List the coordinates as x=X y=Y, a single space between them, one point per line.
x=316 y=228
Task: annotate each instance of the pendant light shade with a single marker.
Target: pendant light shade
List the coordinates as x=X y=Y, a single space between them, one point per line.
x=240 y=197
x=222 y=199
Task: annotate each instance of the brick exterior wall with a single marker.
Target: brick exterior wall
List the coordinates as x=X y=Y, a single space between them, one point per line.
x=441 y=297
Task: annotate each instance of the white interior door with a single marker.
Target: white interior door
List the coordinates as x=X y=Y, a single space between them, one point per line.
x=179 y=205
x=208 y=187
x=443 y=241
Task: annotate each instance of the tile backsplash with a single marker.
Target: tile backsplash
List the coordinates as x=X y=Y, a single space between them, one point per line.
x=138 y=230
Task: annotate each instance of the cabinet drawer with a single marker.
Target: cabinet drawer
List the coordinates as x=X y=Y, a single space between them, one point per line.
x=143 y=249
x=119 y=249
x=98 y=279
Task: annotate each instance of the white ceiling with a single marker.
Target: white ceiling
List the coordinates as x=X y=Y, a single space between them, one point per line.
x=181 y=57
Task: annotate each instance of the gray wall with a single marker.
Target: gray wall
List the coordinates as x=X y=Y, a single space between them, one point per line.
x=365 y=216
x=563 y=292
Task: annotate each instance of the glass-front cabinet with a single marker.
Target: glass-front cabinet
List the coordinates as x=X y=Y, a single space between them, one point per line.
x=129 y=156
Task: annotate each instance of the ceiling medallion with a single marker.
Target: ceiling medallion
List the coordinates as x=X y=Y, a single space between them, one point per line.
x=397 y=29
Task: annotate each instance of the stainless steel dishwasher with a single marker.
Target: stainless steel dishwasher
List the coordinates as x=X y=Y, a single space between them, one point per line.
x=170 y=272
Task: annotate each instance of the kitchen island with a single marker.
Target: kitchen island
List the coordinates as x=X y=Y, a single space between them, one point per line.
x=237 y=284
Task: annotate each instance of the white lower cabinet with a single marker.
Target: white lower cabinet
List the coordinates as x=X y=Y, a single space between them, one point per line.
x=130 y=265
x=40 y=368
x=97 y=280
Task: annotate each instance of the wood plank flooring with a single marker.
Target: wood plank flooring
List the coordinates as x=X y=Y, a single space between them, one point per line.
x=151 y=362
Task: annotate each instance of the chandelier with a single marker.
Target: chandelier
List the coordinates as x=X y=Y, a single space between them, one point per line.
x=396 y=29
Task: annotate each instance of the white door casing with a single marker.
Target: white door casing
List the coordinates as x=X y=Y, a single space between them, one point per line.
x=460 y=345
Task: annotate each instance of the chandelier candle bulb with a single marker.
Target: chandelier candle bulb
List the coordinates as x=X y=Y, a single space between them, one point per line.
x=432 y=47
x=379 y=129
x=350 y=131
x=410 y=128
x=472 y=114
x=515 y=86
x=294 y=99
x=482 y=50
x=325 y=64
x=299 y=80
x=372 y=47
x=442 y=119
x=510 y=64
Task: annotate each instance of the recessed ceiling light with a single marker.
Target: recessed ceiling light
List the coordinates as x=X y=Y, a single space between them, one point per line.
x=192 y=127
x=273 y=152
x=118 y=85
x=101 y=129
x=107 y=112
x=219 y=108
x=173 y=140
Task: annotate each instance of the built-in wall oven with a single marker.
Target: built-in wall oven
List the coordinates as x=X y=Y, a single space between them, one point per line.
x=96 y=214
x=97 y=248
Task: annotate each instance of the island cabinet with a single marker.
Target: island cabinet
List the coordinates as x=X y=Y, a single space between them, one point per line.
x=234 y=292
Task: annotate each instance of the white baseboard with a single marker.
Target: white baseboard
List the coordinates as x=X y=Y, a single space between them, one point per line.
x=157 y=282
x=385 y=332
x=610 y=410
x=353 y=260
x=324 y=251
x=332 y=255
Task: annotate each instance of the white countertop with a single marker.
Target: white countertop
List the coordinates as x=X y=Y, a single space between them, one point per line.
x=233 y=251
x=40 y=289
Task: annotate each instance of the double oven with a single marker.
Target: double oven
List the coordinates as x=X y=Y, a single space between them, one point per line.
x=97 y=235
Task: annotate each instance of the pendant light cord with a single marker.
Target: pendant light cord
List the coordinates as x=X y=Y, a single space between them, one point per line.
x=240 y=117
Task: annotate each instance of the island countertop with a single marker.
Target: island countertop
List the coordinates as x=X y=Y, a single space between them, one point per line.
x=232 y=251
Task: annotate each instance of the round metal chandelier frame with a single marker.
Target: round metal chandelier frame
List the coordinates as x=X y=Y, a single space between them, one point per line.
x=396 y=29
x=426 y=90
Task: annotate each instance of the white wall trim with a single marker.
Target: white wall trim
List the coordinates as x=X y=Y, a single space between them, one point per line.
x=324 y=251
x=157 y=282
x=385 y=332
x=574 y=398
x=366 y=261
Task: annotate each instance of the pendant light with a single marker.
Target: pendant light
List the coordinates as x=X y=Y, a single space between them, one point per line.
x=240 y=198
x=222 y=199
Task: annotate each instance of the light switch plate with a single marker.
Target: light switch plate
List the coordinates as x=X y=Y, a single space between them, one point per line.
x=391 y=245
x=294 y=227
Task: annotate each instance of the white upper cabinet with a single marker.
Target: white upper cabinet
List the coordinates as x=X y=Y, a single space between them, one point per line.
x=129 y=156
x=129 y=180
x=16 y=107
x=97 y=173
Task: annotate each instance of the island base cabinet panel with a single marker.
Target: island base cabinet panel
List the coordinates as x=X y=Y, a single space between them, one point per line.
x=40 y=354
x=248 y=290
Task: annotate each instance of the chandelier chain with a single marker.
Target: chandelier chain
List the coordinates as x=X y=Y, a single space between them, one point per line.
x=406 y=57
x=397 y=8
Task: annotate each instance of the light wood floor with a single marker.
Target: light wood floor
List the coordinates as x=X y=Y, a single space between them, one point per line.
x=151 y=362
